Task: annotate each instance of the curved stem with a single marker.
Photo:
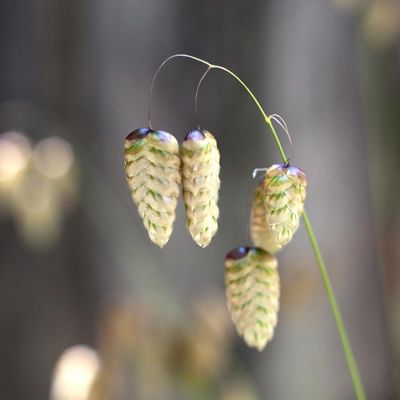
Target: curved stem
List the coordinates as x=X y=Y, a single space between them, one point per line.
x=212 y=66
x=344 y=339
x=153 y=81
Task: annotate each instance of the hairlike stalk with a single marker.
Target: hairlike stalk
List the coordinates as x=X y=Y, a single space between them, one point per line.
x=196 y=110
x=340 y=325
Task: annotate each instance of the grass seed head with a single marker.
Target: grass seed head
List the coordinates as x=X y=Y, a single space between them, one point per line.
x=200 y=181
x=152 y=168
x=261 y=234
x=284 y=192
x=252 y=290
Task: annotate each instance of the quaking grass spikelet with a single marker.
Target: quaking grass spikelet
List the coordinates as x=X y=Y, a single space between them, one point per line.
x=200 y=181
x=284 y=196
x=252 y=289
x=152 y=168
x=261 y=234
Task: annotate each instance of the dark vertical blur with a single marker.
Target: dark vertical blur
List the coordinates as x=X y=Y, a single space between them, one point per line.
x=80 y=70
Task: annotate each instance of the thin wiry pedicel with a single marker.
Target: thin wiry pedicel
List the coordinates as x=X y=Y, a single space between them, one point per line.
x=200 y=181
x=252 y=289
x=284 y=195
x=152 y=168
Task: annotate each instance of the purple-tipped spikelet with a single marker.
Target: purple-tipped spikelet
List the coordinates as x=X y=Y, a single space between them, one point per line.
x=152 y=168
x=252 y=290
x=200 y=182
x=283 y=192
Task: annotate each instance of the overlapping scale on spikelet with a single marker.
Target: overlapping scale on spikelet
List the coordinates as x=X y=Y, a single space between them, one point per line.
x=261 y=234
x=252 y=289
x=284 y=196
x=152 y=168
x=200 y=181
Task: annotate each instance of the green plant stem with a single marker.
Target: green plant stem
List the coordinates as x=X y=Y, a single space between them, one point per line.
x=340 y=325
x=344 y=338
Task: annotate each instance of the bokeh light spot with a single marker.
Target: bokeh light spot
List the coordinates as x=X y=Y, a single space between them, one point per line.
x=53 y=157
x=74 y=373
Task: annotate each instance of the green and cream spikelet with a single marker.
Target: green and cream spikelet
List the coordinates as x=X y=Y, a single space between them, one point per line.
x=284 y=195
x=152 y=168
x=252 y=289
x=261 y=234
x=200 y=182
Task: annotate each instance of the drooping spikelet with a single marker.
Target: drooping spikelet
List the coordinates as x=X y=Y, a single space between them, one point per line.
x=284 y=195
x=200 y=181
x=152 y=168
x=252 y=289
x=261 y=234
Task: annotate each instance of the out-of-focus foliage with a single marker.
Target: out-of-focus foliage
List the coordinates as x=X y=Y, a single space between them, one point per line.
x=144 y=355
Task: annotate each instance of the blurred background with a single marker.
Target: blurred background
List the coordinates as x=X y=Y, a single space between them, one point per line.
x=90 y=309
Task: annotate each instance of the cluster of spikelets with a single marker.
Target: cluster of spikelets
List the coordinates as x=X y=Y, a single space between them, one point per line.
x=155 y=172
x=251 y=275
